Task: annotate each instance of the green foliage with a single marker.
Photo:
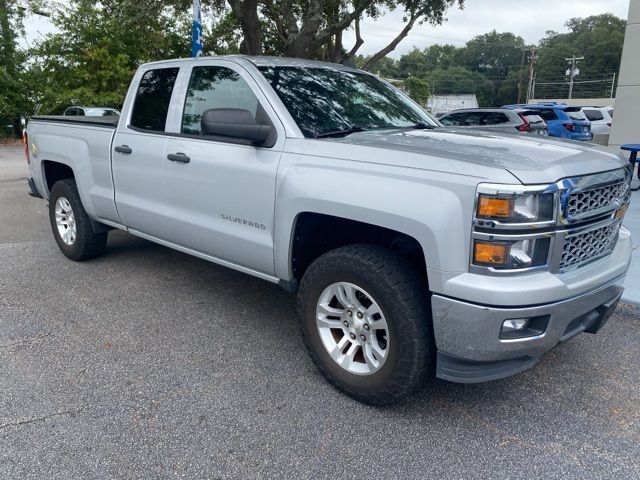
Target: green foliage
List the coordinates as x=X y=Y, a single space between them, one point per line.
x=599 y=39
x=490 y=64
x=461 y=80
x=493 y=54
x=99 y=46
x=417 y=89
x=387 y=67
x=92 y=59
x=13 y=99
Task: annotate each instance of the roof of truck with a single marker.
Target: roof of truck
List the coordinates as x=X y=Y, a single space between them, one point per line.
x=266 y=61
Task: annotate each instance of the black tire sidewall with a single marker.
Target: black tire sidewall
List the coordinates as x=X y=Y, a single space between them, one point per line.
x=400 y=364
x=85 y=237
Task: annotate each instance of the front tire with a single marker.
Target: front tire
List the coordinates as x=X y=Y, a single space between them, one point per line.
x=364 y=317
x=71 y=225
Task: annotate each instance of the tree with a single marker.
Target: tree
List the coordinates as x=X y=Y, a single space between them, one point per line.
x=417 y=89
x=92 y=59
x=314 y=28
x=599 y=39
x=494 y=54
x=420 y=62
x=387 y=67
x=13 y=101
x=459 y=80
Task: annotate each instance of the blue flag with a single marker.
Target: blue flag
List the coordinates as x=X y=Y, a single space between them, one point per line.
x=196 y=31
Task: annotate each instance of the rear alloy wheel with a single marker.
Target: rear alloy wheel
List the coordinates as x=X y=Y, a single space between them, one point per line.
x=71 y=225
x=65 y=221
x=365 y=319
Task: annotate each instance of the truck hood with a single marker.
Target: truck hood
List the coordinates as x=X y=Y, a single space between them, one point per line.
x=531 y=158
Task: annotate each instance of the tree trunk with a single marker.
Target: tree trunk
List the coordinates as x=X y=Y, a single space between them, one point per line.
x=348 y=57
x=371 y=63
x=246 y=11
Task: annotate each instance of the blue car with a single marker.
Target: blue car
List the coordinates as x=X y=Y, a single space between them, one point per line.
x=562 y=120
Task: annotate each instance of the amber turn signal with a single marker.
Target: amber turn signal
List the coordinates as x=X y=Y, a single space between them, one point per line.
x=495 y=207
x=489 y=253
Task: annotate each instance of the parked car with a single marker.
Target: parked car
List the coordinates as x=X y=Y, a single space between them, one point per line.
x=494 y=119
x=91 y=112
x=562 y=120
x=415 y=250
x=600 y=118
x=535 y=121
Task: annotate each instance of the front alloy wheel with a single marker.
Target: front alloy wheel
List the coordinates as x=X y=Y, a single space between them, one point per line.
x=365 y=319
x=352 y=328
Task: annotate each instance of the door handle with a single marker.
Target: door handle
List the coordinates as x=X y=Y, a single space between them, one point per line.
x=123 y=149
x=178 y=157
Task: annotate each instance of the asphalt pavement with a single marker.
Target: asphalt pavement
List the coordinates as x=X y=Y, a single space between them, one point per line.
x=148 y=363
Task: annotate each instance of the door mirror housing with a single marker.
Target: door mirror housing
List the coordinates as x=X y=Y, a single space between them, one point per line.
x=236 y=124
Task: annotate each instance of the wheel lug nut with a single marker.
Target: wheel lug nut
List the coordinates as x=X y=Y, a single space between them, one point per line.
x=345 y=323
x=353 y=336
x=359 y=314
x=363 y=338
x=367 y=327
x=349 y=313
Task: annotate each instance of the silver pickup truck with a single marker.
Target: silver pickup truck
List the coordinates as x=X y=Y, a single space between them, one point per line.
x=415 y=250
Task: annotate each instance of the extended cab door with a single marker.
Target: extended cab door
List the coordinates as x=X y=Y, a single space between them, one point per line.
x=138 y=152
x=221 y=191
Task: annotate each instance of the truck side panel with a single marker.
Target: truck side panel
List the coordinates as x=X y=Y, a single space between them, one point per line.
x=424 y=205
x=86 y=150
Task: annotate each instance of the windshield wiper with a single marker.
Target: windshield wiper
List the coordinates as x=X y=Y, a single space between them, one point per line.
x=337 y=133
x=423 y=126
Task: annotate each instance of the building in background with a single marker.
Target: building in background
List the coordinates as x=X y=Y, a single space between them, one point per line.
x=446 y=103
x=626 y=127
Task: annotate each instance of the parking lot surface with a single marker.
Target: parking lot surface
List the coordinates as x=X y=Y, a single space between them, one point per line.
x=148 y=363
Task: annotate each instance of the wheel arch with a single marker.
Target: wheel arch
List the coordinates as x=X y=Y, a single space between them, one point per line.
x=314 y=234
x=54 y=171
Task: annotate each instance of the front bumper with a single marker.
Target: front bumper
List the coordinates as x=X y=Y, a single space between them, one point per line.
x=468 y=335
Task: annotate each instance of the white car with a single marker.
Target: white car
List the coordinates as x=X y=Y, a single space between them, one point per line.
x=600 y=118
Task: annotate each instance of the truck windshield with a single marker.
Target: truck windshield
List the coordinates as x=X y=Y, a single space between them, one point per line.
x=323 y=100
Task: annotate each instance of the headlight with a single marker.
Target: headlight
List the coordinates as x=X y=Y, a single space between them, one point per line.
x=516 y=208
x=507 y=254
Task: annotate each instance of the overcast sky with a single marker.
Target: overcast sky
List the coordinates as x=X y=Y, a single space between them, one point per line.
x=528 y=18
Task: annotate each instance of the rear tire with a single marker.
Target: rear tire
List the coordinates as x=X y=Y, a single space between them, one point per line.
x=341 y=338
x=71 y=225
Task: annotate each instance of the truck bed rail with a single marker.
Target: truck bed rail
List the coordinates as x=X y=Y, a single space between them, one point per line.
x=107 y=122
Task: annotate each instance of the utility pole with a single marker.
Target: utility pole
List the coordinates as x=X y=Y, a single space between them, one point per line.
x=572 y=72
x=524 y=50
x=613 y=84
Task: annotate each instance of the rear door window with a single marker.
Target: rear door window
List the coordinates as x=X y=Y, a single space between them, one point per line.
x=494 y=118
x=575 y=114
x=548 y=114
x=151 y=105
x=474 y=118
x=593 y=115
x=454 y=120
x=534 y=119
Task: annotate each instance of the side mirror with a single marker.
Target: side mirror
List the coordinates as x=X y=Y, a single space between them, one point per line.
x=235 y=123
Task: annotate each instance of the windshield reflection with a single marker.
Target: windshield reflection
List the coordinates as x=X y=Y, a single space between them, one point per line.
x=323 y=100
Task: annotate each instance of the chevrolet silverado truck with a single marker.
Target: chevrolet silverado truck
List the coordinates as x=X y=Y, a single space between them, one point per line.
x=415 y=250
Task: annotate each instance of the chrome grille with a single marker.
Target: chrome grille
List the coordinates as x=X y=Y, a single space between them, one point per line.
x=585 y=201
x=585 y=246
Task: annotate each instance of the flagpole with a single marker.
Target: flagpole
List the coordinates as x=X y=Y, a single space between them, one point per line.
x=196 y=30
